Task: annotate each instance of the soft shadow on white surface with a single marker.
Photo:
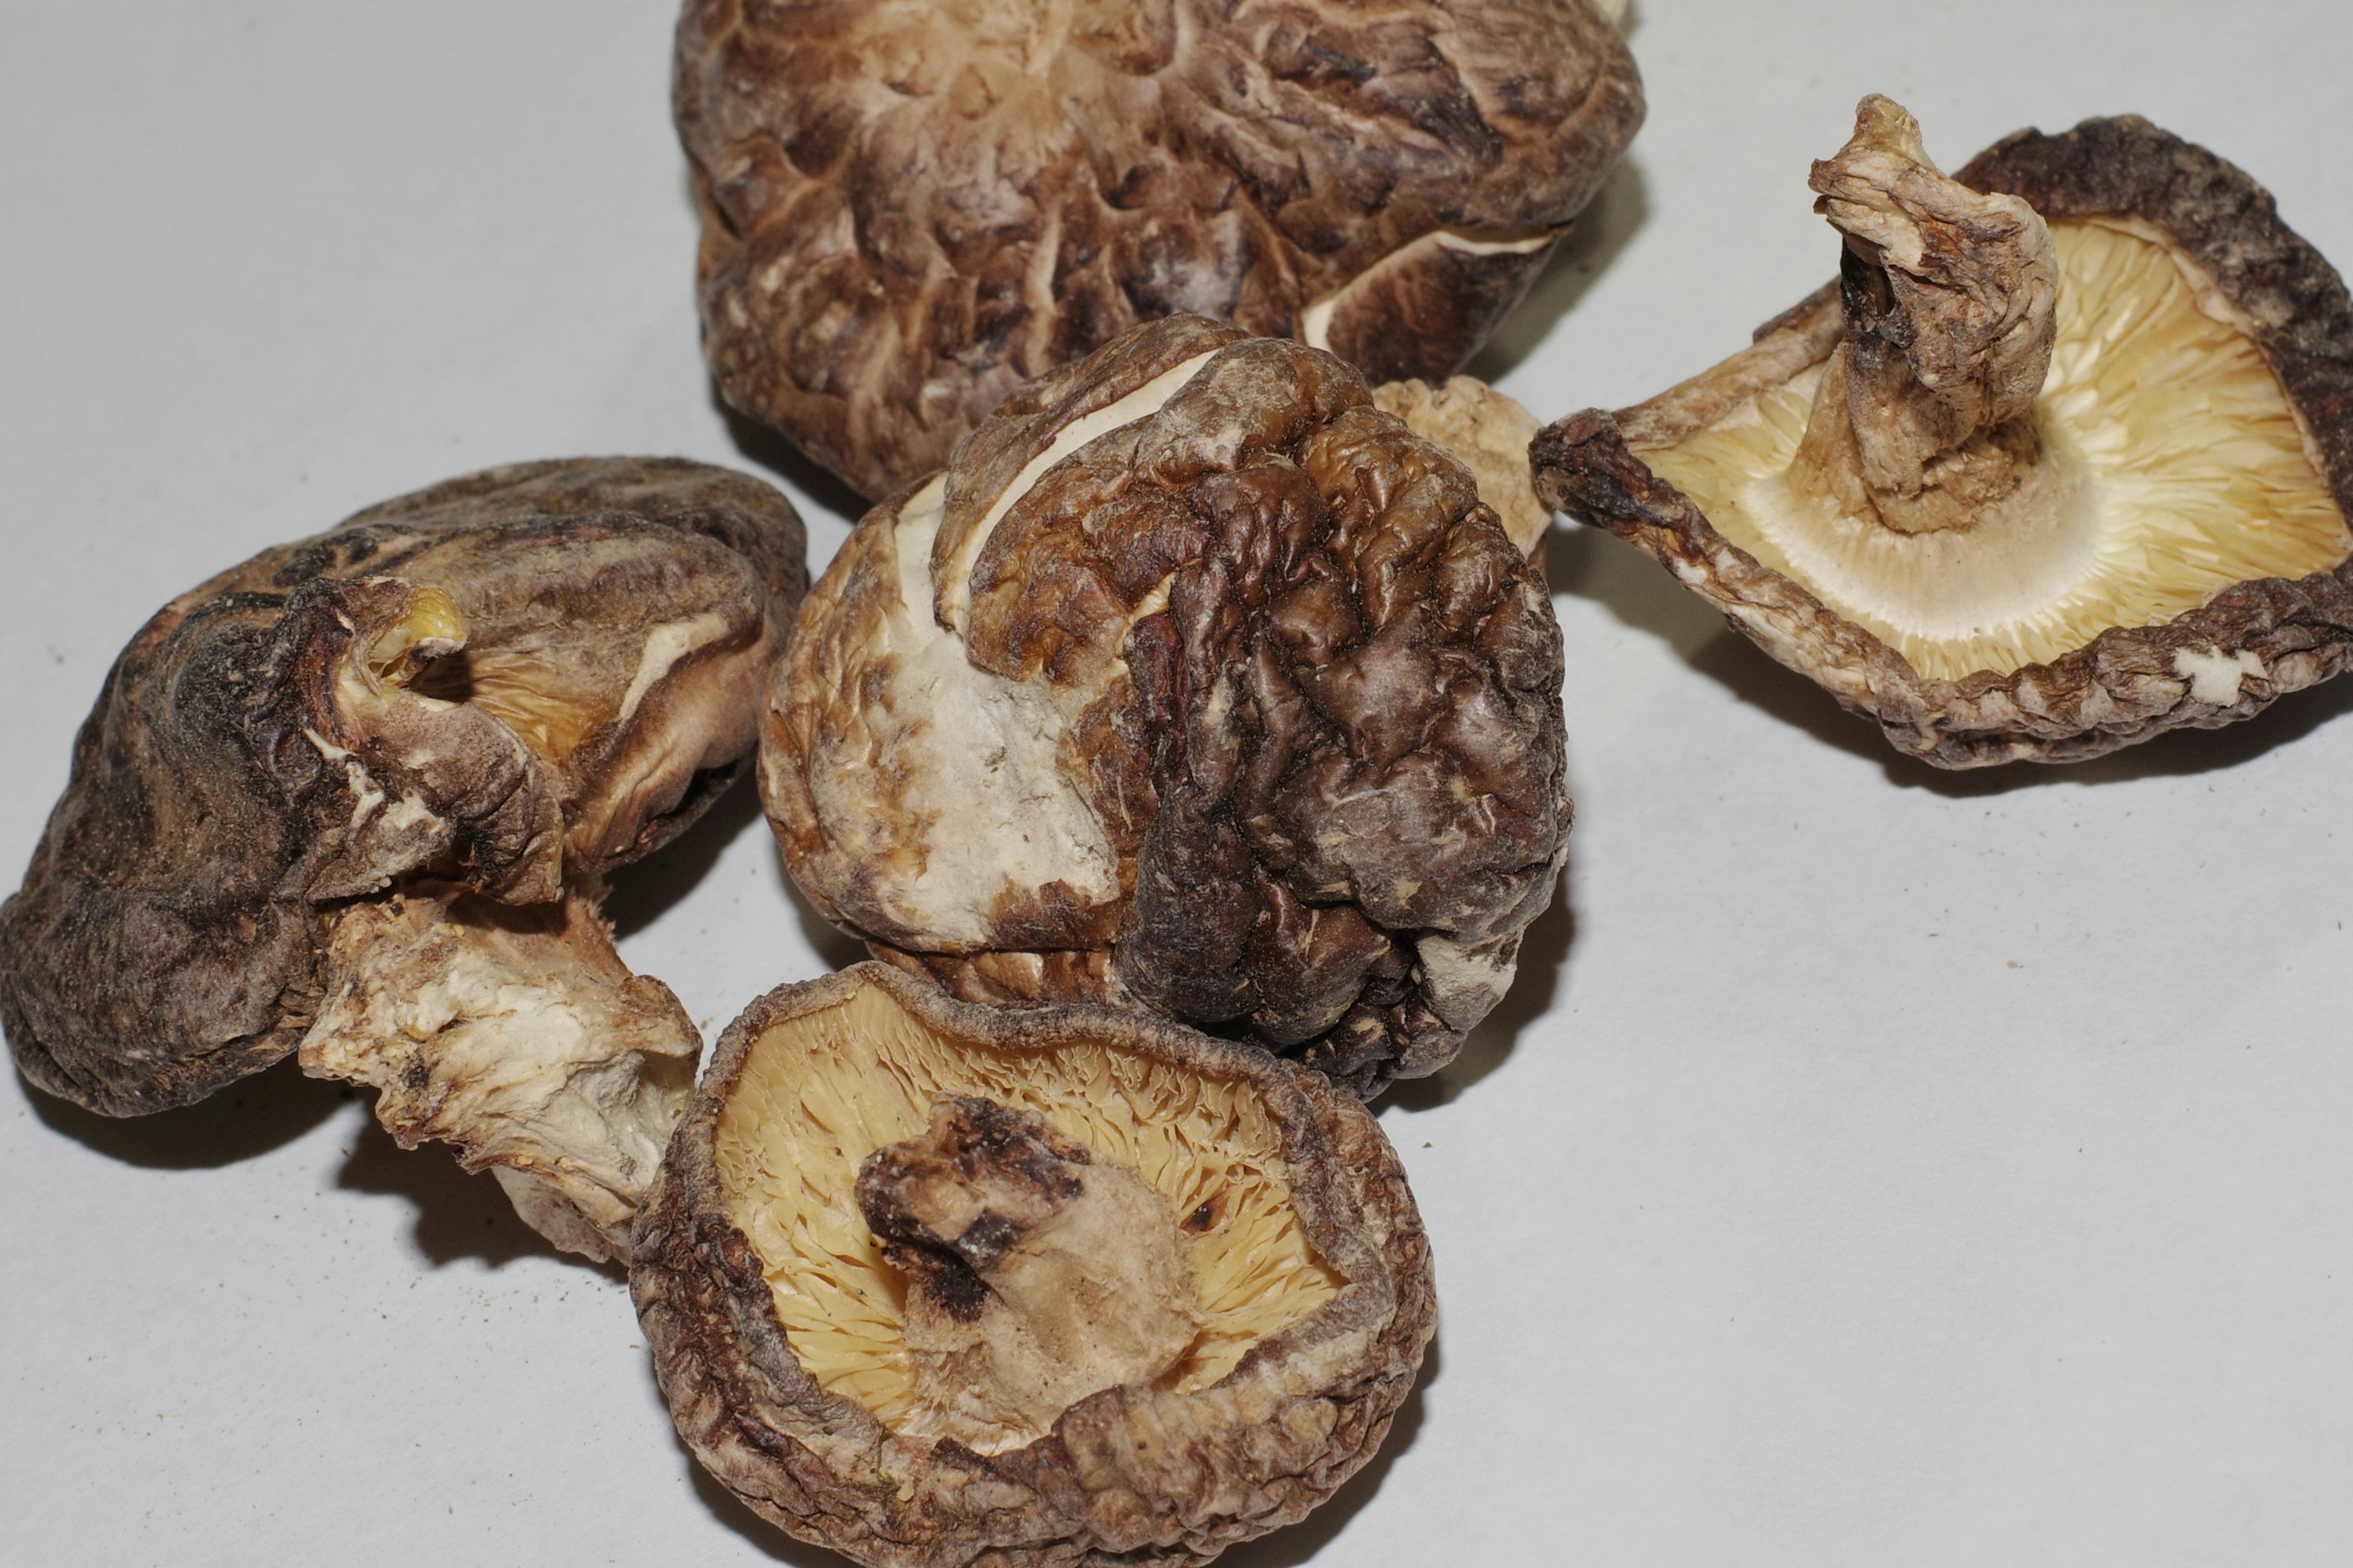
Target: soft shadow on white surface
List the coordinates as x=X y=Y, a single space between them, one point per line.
x=757 y=1533
x=1754 y=678
x=833 y=949
x=641 y=893
x=248 y=1119
x=775 y=453
x=838 y=952
x=459 y=1217
x=644 y=892
x=1591 y=563
x=1543 y=955
x=1608 y=222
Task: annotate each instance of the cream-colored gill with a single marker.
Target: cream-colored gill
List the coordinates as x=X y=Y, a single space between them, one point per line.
x=956 y=590
x=2174 y=467
x=820 y=1092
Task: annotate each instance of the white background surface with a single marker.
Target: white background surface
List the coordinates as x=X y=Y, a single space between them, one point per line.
x=1872 y=1167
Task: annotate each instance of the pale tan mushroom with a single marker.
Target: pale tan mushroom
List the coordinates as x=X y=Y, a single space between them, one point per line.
x=1198 y=682
x=2061 y=462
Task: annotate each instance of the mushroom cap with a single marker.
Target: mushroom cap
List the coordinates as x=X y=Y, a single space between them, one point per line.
x=2205 y=575
x=1488 y=432
x=909 y=209
x=1196 y=682
x=776 y=1325
x=510 y=683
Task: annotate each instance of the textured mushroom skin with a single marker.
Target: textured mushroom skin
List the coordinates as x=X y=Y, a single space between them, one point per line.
x=2129 y=683
x=1926 y=414
x=517 y=1034
x=910 y=209
x=237 y=779
x=1273 y=675
x=1130 y=1476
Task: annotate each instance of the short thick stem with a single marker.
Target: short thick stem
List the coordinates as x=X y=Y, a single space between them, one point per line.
x=1037 y=1272
x=1925 y=413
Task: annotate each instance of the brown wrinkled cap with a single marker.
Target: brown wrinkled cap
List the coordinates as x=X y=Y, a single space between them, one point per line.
x=783 y=1348
x=2121 y=184
x=909 y=209
x=506 y=686
x=1196 y=682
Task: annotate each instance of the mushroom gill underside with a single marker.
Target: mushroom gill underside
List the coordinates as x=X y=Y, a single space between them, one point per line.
x=2173 y=465
x=864 y=1083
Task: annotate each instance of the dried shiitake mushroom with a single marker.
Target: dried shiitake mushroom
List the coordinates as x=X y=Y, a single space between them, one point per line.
x=1196 y=682
x=910 y=209
x=931 y=1283
x=2063 y=460
x=358 y=796
x=1489 y=434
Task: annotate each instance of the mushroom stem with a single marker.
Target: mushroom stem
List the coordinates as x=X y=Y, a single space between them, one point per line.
x=1925 y=412
x=1038 y=1273
x=518 y=1035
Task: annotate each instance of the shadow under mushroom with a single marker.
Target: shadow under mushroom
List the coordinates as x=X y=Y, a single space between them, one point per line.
x=249 y=1118
x=1611 y=219
x=1544 y=956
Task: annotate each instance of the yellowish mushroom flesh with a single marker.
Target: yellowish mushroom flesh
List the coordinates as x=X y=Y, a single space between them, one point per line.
x=531 y=687
x=819 y=1094
x=535 y=681
x=2174 y=464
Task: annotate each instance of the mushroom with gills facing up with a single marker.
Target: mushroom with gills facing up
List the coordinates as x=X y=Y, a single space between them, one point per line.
x=933 y=1283
x=2061 y=461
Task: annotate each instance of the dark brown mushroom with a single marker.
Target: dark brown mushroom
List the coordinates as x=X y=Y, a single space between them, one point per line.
x=359 y=794
x=910 y=209
x=2062 y=461
x=1196 y=682
x=936 y=1284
